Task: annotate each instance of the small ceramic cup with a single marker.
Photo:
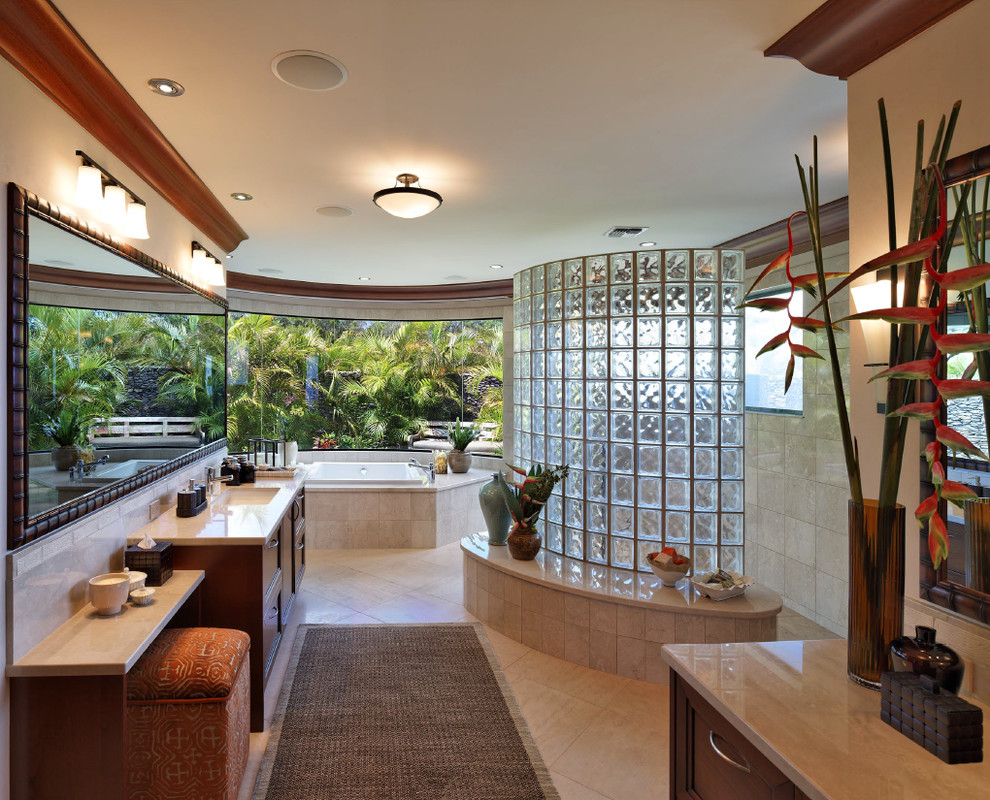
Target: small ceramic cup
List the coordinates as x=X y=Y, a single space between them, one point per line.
x=142 y=597
x=108 y=592
x=137 y=579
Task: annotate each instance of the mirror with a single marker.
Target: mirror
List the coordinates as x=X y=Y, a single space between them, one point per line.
x=118 y=369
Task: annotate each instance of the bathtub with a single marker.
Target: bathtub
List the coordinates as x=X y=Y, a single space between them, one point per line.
x=125 y=469
x=371 y=475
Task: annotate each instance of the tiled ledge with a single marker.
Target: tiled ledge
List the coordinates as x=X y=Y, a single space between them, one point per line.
x=609 y=619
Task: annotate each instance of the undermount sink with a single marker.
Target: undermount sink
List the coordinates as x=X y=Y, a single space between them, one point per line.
x=248 y=497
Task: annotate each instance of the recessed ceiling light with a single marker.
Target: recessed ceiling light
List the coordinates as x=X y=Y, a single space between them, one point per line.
x=647 y=244
x=364 y=279
x=242 y=196
x=496 y=266
x=166 y=87
x=334 y=212
x=309 y=70
x=270 y=270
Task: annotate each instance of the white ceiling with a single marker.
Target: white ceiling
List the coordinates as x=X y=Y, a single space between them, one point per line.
x=541 y=122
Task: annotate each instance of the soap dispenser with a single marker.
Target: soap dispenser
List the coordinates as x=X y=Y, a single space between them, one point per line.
x=247 y=470
x=231 y=468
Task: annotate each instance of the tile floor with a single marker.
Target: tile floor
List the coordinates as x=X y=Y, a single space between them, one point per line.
x=604 y=737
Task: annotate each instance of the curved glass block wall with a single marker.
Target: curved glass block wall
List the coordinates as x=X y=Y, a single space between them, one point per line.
x=629 y=368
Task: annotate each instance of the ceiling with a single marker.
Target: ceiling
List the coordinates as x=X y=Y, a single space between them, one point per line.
x=541 y=122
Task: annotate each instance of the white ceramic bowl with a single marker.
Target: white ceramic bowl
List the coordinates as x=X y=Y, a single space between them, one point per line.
x=669 y=577
x=108 y=592
x=716 y=592
x=142 y=597
x=137 y=579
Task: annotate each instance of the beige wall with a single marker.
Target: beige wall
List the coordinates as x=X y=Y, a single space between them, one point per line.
x=919 y=80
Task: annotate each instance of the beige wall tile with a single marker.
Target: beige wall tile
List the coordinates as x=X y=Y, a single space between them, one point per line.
x=553 y=637
x=395 y=506
x=577 y=644
x=532 y=628
x=513 y=590
x=630 y=657
x=532 y=597
x=689 y=629
x=601 y=616
x=657 y=670
x=513 y=621
x=553 y=604
x=576 y=610
x=629 y=621
x=602 y=653
x=720 y=629
x=659 y=627
x=496 y=584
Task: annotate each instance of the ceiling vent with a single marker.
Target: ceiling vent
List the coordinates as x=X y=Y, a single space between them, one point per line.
x=621 y=231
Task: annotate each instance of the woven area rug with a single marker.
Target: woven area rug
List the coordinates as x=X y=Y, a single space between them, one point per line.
x=399 y=712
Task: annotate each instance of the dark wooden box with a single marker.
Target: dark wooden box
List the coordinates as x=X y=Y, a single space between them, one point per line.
x=156 y=562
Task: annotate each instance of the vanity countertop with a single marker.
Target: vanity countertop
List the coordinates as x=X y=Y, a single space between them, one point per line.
x=228 y=519
x=795 y=704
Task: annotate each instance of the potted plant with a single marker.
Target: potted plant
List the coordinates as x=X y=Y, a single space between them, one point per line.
x=68 y=431
x=525 y=501
x=460 y=436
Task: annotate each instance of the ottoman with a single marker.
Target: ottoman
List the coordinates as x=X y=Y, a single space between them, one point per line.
x=188 y=716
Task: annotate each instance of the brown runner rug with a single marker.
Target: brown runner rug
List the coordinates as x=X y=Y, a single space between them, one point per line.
x=399 y=712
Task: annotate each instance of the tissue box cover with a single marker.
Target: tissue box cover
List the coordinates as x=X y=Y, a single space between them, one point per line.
x=156 y=562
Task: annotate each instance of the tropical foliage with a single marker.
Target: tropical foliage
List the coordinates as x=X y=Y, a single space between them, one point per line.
x=525 y=499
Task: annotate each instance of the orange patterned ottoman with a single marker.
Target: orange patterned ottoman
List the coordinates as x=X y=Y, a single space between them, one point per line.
x=188 y=716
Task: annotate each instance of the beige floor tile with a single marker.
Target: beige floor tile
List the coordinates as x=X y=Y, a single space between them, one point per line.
x=359 y=592
x=555 y=718
x=646 y=701
x=417 y=608
x=450 y=587
x=572 y=790
x=591 y=685
x=507 y=650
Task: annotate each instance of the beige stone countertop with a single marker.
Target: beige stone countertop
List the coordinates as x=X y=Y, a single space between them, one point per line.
x=89 y=644
x=795 y=704
x=245 y=514
x=640 y=589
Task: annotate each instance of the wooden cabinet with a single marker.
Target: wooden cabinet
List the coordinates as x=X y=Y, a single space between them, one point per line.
x=710 y=759
x=293 y=551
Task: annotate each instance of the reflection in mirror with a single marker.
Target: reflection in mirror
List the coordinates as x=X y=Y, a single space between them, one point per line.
x=124 y=370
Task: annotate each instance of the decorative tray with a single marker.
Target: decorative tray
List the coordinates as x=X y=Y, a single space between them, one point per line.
x=268 y=474
x=718 y=592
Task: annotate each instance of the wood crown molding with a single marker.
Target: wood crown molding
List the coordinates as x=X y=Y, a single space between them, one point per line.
x=967 y=167
x=764 y=244
x=342 y=291
x=98 y=280
x=41 y=43
x=841 y=37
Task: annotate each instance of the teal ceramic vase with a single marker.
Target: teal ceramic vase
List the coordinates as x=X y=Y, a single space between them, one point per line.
x=496 y=513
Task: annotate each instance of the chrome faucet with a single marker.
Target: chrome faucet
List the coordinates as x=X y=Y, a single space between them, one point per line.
x=82 y=469
x=430 y=471
x=213 y=478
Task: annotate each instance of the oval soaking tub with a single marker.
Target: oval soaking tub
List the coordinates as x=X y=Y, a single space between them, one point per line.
x=371 y=475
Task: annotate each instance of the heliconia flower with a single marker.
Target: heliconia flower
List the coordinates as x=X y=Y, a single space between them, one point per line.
x=809 y=281
x=917 y=410
x=938 y=540
x=955 y=343
x=970 y=370
x=909 y=370
x=909 y=315
x=778 y=263
x=925 y=509
x=938 y=474
x=932 y=451
x=789 y=373
x=963 y=280
x=957 y=442
x=956 y=492
x=767 y=303
x=954 y=388
x=774 y=343
x=811 y=324
x=805 y=352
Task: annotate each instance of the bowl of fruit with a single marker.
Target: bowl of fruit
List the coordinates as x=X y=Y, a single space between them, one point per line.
x=721 y=584
x=669 y=566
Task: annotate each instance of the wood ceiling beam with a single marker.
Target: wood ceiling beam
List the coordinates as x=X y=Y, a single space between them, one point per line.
x=342 y=291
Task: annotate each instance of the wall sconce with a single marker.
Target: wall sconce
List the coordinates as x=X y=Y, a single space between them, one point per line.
x=407 y=201
x=876 y=333
x=98 y=190
x=206 y=266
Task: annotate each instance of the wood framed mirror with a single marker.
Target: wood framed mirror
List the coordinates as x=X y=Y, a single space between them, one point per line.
x=110 y=348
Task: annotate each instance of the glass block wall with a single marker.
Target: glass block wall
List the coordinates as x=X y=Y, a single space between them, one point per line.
x=629 y=368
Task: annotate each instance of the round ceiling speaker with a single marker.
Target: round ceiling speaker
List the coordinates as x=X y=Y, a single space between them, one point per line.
x=334 y=212
x=309 y=70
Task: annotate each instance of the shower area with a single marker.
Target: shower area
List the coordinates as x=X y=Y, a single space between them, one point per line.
x=629 y=368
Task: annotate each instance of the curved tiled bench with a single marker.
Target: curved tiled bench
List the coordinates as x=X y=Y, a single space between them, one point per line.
x=609 y=619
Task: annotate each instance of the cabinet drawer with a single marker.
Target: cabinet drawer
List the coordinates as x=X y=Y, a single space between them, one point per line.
x=271 y=626
x=299 y=558
x=298 y=511
x=271 y=560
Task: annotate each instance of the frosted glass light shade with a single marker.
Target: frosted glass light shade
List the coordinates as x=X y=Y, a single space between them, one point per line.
x=136 y=226
x=200 y=265
x=89 y=188
x=407 y=201
x=214 y=273
x=114 y=211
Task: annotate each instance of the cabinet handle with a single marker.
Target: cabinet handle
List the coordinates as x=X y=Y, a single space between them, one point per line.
x=274 y=613
x=272 y=544
x=723 y=756
x=301 y=545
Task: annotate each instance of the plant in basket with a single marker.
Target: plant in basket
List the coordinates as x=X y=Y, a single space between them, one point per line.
x=525 y=500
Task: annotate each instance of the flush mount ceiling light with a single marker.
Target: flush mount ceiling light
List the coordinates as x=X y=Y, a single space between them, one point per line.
x=243 y=196
x=407 y=201
x=364 y=279
x=309 y=70
x=166 y=87
x=115 y=204
x=496 y=266
x=647 y=244
x=334 y=212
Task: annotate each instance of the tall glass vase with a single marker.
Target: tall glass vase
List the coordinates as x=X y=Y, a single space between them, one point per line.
x=876 y=588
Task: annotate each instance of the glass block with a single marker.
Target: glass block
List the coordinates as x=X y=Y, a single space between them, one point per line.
x=573 y=335
x=732 y=398
x=732 y=431
x=649 y=363
x=622 y=333
x=574 y=273
x=597 y=302
x=555 y=450
x=622 y=520
x=677 y=429
x=705 y=559
x=678 y=333
x=573 y=304
x=732 y=496
x=622 y=364
x=622 y=395
x=732 y=365
x=574 y=483
x=622 y=458
x=704 y=299
x=597 y=366
x=524 y=419
x=597 y=425
x=731 y=559
x=539 y=282
x=677 y=396
x=705 y=463
x=677 y=366
x=539 y=418
x=555 y=393
x=598 y=517
x=555 y=338
x=597 y=453
x=598 y=578
x=525 y=450
x=574 y=513
x=731 y=296
x=648 y=524
x=704 y=332
x=643 y=550
x=574 y=393
x=675 y=299
x=539 y=308
x=555 y=509
x=649 y=332
x=524 y=284
x=574 y=543
x=539 y=365
x=648 y=396
x=622 y=427
x=704 y=265
x=732 y=333
x=678 y=493
x=524 y=310
x=732 y=529
x=678 y=462
x=597 y=486
x=650 y=462
x=704 y=398
x=648 y=266
x=705 y=430
x=649 y=428
x=622 y=270
x=597 y=391
x=732 y=265
x=622 y=552
x=705 y=496
x=574 y=364
x=622 y=301
x=597 y=270
x=555 y=424
x=732 y=462
x=677 y=527
x=555 y=364
x=553 y=276
x=597 y=333
x=515 y=285
x=554 y=538
x=704 y=365
x=622 y=490
x=538 y=448
x=597 y=548
x=706 y=529
x=555 y=306
x=675 y=265
x=538 y=336
x=649 y=298
x=574 y=424
x=574 y=453
x=524 y=344
x=649 y=493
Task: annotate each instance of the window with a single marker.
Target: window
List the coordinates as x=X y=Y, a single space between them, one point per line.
x=765 y=375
